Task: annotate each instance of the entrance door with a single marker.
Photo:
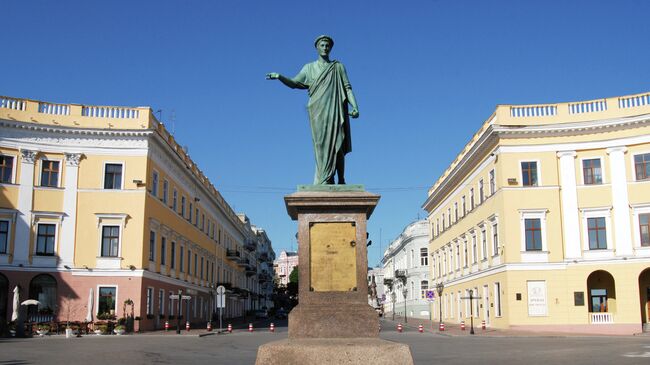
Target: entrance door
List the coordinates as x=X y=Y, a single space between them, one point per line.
x=598 y=300
x=486 y=305
x=647 y=303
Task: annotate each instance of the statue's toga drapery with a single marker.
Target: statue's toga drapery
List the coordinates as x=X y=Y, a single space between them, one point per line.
x=328 y=115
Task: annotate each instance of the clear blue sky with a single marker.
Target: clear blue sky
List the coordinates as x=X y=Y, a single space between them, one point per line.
x=426 y=75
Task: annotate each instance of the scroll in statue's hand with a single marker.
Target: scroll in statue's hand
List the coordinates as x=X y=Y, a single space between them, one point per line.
x=354 y=113
x=272 y=76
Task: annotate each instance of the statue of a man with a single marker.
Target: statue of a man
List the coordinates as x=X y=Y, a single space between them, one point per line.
x=329 y=95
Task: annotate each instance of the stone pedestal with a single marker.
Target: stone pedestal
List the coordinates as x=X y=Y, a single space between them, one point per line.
x=333 y=322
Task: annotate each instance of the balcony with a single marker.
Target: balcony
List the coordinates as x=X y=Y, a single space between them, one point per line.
x=250 y=245
x=251 y=270
x=601 y=318
x=243 y=262
x=233 y=254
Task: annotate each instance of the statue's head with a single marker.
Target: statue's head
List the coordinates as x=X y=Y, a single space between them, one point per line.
x=324 y=44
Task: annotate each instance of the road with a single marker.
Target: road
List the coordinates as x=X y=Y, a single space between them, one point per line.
x=241 y=348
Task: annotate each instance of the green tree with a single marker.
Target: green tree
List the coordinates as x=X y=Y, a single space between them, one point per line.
x=293 y=277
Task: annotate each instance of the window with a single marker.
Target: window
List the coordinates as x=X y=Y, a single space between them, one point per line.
x=481 y=195
x=172 y=259
x=149 y=300
x=201 y=268
x=163 y=250
x=464 y=206
x=529 y=173
x=471 y=199
x=495 y=239
x=161 y=301
x=598 y=300
x=152 y=246
x=449 y=215
x=493 y=183
x=202 y=222
x=497 y=298
x=474 y=250
x=50 y=173
x=533 y=232
x=424 y=257
x=196 y=217
x=591 y=171
x=4 y=236
x=165 y=191
x=183 y=206
x=110 y=241
x=106 y=303
x=191 y=209
x=456 y=211
x=175 y=200
x=196 y=262
x=484 y=243
x=597 y=233
x=189 y=263
x=437 y=226
x=154 y=183
x=642 y=166
x=424 y=286
x=6 y=169
x=465 y=253
x=457 y=256
x=113 y=176
x=45 y=239
x=180 y=260
x=644 y=229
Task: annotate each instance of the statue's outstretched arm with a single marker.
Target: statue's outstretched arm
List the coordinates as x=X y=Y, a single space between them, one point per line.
x=294 y=83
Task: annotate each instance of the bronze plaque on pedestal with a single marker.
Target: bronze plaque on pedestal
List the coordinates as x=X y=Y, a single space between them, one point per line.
x=333 y=255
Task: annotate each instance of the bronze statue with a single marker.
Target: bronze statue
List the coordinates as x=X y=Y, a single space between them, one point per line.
x=329 y=95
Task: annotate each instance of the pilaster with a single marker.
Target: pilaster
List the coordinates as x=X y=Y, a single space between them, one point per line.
x=620 y=201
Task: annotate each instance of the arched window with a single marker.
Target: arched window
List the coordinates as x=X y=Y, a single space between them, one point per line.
x=43 y=288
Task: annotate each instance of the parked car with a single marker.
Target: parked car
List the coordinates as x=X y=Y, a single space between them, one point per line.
x=261 y=313
x=281 y=314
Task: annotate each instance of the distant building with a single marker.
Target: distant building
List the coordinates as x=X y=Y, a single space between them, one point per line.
x=376 y=287
x=283 y=266
x=544 y=216
x=406 y=272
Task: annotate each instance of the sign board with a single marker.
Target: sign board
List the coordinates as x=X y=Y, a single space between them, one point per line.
x=183 y=297
x=221 y=301
x=333 y=257
x=430 y=295
x=537 y=298
x=221 y=290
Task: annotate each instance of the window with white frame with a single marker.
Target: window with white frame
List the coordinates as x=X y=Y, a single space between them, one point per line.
x=110 y=241
x=154 y=183
x=451 y=258
x=7 y=169
x=493 y=183
x=596 y=233
x=464 y=205
x=113 y=176
x=424 y=256
x=172 y=257
x=484 y=247
x=4 y=236
x=45 y=239
x=107 y=295
x=183 y=206
x=471 y=199
x=481 y=193
x=189 y=262
x=465 y=253
x=533 y=230
x=149 y=300
x=497 y=299
x=642 y=166
x=474 y=250
x=529 y=173
x=190 y=211
x=163 y=250
x=175 y=200
x=424 y=286
x=644 y=229
x=457 y=255
x=456 y=211
x=161 y=301
x=50 y=173
x=495 y=239
x=592 y=173
x=181 y=262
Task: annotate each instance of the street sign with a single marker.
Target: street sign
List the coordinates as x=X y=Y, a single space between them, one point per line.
x=221 y=301
x=430 y=295
x=221 y=290
x=184 y=297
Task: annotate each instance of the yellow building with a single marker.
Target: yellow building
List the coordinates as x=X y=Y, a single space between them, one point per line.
x=544 y=215
x=102 y=202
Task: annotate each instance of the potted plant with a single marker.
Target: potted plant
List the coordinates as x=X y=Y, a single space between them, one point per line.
x=43 y=329
x=101 y=329
x=119 y=330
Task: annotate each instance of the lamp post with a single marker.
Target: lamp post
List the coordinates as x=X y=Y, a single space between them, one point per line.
x=439 y=288
x=405 y=292
x=392 y=297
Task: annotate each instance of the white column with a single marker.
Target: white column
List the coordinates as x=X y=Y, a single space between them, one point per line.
x=620 y=201
x=67 y=236
x=25 y=200
x=569 y=196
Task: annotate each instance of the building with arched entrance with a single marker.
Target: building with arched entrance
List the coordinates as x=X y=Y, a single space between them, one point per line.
x=544 y=216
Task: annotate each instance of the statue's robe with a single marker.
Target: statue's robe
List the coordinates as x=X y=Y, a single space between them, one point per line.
x=328 y=115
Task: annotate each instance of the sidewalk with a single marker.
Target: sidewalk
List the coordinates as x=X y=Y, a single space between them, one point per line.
x=452 y=329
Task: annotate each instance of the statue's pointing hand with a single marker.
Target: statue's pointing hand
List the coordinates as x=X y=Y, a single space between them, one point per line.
x=272 y=76
x=354 y=113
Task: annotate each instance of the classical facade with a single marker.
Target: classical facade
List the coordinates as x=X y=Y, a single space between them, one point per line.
x=283 y=266
x=376 y=295
x=406 y=272
x=103 y=202
x=543 y=219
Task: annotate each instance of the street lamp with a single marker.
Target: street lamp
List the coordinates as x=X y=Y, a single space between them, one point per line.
x=439 y=288
x=405 y=292
x=392 y=297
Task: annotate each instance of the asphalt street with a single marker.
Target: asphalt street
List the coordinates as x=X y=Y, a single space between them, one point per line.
x=240 y=347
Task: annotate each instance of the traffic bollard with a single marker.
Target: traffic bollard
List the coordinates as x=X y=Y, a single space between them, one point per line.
x=250 y=327
x=462 y=325
x=421 y=328
x=229 y=328
x=187 y=326
x=441 y=327
x=483 y=324
x=399 y=327
x=272 y=327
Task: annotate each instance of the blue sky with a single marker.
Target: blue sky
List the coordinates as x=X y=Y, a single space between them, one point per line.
x=426 y=75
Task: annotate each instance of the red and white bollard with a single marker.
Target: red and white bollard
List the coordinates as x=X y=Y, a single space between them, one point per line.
x=187 y=326
x=421 y=328
x=441 y=327
x=272 y=327
x=229 y=328
x=462 y=325
x=166 y=325
x=399 y=327
x=483 y=324
x=209 y=327
x=250 y=327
